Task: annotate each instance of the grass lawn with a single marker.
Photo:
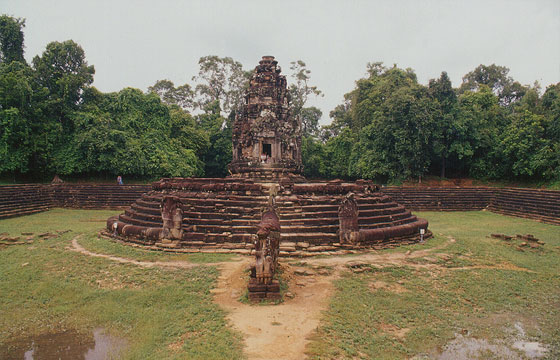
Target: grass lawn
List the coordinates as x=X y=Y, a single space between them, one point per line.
x=163 y=313
x=477 y=286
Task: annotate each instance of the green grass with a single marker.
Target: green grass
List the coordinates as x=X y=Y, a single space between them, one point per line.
x=462 y=292
x=163 y=313
x=480 y=285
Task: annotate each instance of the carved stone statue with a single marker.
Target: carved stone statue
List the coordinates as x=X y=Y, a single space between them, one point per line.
x=267 y=246
x=172 y=216
x=348 y=220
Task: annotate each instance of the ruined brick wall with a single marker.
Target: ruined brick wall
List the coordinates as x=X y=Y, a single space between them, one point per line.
x=536 y=204
x=441 y=198
x=25 y=199
x=96 y=196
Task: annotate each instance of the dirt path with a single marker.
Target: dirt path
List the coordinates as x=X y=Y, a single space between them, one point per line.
x=274 y=331
x=165 y=264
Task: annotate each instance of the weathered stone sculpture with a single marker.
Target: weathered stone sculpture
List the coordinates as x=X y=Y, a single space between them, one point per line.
x=266 y=139
x=262 y=284
x=172 y=216
x=348 y=220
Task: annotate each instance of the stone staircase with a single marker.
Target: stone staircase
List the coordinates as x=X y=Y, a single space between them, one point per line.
x=220 y=214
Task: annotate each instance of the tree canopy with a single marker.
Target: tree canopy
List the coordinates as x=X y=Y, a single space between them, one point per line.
x=388 y=128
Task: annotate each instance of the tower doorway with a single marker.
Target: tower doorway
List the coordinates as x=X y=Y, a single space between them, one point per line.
x=266 y=154
x=267 y=150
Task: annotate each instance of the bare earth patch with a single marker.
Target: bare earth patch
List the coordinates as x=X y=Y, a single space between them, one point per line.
x=274 y=331
x=378 y=284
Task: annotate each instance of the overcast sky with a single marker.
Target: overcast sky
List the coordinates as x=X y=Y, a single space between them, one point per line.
x=134 y=43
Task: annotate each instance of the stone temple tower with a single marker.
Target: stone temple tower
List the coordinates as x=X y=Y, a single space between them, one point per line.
x=266 y=138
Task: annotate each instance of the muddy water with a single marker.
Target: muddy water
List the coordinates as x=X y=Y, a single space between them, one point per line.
x=68 y=345
x=517 y=346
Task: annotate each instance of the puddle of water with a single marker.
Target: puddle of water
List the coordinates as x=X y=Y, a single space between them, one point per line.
x=68 y=345
x=533 y=350
x=470 y=348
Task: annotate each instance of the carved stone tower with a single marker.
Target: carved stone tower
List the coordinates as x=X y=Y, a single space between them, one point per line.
x=266 y=139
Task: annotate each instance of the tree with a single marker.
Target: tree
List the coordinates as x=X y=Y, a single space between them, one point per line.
x=11 y=39
x=391 y=126
x=300 y=91
x=64 y=71
x=497 y=79
x=219 y=131
x=182 y=96
x=479 y=123
x=443 y=94
x=15 y=111
x=222 y=80
x=310 y=117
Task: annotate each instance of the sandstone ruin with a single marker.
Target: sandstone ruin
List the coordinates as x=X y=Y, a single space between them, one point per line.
x=225 y=214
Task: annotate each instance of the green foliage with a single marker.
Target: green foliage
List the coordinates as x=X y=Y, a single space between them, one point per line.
x=313 y=157
x=222 y=80
x=181 y=96
x=494 y=129
x=389 y=128
x=300 y=91
x=393 y=116
x=219 y=131
x=11 y=39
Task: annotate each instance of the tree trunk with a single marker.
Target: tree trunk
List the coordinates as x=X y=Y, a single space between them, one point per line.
x=442 y=167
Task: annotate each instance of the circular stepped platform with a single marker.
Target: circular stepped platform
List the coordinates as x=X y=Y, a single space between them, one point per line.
x=222 y=215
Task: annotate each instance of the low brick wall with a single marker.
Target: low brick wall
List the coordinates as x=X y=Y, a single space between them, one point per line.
x=17 y=200
x=541 y=205
x=441 y=198
x=96 y=196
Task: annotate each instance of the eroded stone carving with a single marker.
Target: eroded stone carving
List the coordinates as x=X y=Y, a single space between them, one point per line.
x=348 y=220
x=262 y=284
x=172 y=216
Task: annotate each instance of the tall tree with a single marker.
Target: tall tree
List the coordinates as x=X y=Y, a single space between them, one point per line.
x=300 y=90
x=11 y=39
x=182 y=96
x=64 y=71
x=497 y=79
x=16 y=110
x=222 y=80
x=443 y=94
x=392 y=119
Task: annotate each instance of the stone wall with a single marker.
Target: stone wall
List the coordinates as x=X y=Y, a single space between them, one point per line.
x=441 y=198
x=25 y=199
x=542 y=205
x=96 y=196
x=17 y=200
x=536 y=204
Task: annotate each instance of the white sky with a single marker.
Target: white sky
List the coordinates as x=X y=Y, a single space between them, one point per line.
x=134 y=43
